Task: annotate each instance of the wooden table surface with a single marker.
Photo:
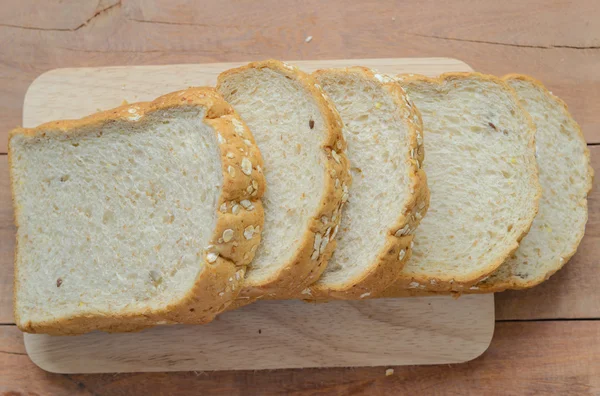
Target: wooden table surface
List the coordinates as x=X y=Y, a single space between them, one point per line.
x=547 y=339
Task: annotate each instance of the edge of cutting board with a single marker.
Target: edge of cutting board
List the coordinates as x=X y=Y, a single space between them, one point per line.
x=274 y=334
x=59 y=77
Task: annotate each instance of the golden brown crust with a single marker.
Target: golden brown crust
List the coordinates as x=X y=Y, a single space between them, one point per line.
x=397 y=247
x=307 y=263
x=239 y=206
x=449 y=282
x=221 y=280
x=516 y=283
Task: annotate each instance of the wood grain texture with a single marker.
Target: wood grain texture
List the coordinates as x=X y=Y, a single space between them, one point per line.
x=286 y=334
x=77 y=92
x=525 y=358
x=558 y=43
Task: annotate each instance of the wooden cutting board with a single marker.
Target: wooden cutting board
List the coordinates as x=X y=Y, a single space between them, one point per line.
x=268 y=334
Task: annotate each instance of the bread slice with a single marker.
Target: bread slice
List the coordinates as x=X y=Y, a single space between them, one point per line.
x=482 y=175
x=566 y=178
x=389 y=193
x=299 y=134
x=118 y=220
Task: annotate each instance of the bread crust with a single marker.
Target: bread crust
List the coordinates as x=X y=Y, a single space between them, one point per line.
x=307 y=263
x=389 y=262
x=219 y=282
x=517 y=283
x=451 y=283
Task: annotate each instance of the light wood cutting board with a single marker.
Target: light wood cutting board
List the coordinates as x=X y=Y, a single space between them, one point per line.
x=268 y=334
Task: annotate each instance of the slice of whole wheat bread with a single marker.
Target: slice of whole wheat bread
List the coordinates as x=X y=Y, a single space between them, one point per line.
x=389 y=193
x=482 y=174
x=299 y=134
x=118 y=220
x=566 y=178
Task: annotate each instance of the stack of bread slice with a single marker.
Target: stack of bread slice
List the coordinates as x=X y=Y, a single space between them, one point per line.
x=565 y=178
x=300 y=134
x=483 y=178
x=278 y=184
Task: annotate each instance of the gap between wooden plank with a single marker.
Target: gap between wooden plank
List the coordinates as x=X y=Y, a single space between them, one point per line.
x=548 y=320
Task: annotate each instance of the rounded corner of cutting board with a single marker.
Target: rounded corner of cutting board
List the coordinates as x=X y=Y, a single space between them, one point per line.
x=484 y=346
x=39 y=85
x=463 y=65
x=45 y=78
x=490 y=327
x=38 y=359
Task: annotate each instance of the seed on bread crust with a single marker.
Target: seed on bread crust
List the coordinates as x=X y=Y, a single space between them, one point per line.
x=249 y=232
x=227 y=235
x=246 y=166
x=403 y=231
x=324 y=243
x=335 y=230
x=317 y=242
x=246 y=204
x=401 y=254
x=238 y=126
x=335 y=156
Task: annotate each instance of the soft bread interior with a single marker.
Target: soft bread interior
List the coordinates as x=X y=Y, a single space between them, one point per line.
x=378 y=149
x=289 y=129
x=564 y=174
x=133 y=206
x=481 y=172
